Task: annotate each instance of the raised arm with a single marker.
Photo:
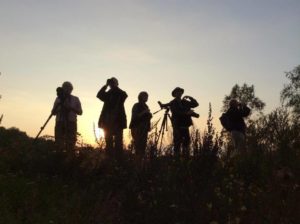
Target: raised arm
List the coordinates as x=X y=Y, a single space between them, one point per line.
x=245 y=111
x=102 y=94
x=192 y=102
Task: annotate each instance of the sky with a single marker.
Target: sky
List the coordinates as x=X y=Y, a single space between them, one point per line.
x=205 y=47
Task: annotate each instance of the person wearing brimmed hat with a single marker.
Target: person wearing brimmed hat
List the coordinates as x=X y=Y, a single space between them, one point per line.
x=182 y=120
x=113 y=117
x=66 y=108
x=177 y=92
x=140 y=124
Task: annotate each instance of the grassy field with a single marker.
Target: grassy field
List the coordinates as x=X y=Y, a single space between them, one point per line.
x=40 y=185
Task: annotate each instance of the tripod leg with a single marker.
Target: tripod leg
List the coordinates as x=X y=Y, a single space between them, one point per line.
x=43 y=127
x=159 y=134
x=164 y=127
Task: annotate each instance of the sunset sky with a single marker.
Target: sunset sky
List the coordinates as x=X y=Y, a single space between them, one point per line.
x=204 y=47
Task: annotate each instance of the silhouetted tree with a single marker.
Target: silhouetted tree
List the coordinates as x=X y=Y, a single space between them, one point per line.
x=196 y=141
x=244 y=94
x=290 y=95
x=269 y=129
x=210 y=132
x=275 y=132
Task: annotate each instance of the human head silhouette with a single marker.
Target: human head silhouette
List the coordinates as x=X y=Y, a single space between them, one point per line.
x=67 y=87
x=143 y=97
x=113 y=82
x=177 y=92
x=233 y=103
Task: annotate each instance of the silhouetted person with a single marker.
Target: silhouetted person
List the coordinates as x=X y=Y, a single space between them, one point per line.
x=66 y=108
x=113 y=117
x=182 y=120
x=140 y=124
x=236 y=114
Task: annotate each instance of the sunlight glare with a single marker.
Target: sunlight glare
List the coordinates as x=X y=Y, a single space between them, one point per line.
x=99 y=133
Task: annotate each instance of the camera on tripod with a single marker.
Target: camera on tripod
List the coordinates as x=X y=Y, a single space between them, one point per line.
x=188 y=110
x=61 y=94
x=164 y=106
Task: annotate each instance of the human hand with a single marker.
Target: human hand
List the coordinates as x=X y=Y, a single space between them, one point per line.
x=188 y=98
x=190 y=112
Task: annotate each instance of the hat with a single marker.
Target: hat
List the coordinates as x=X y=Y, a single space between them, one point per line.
x=177 y=89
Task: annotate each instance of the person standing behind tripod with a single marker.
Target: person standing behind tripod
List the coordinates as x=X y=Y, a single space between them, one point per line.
x=140 y=124
x=181 y=120
x=113 y=117
x=66 y=108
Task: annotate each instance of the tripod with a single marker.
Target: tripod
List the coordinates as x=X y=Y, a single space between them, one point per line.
x=60 y=94
x=43 y=127
x=47 y=121
x=163 y=128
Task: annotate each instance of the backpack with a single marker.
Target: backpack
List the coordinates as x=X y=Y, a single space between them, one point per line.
x=225 y=121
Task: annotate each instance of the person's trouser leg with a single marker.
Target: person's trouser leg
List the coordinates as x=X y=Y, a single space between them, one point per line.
x=238 y=140
x=143 y=142
x=108 y=140
x=60 y=136
x=141 y=136
x=177 y=139
x=134 y=134
x=71 y=136
x=185 y=133
x=118 y=140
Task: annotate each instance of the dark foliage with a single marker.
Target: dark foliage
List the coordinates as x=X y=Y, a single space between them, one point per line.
x=41 y=185
x=290 y=95
x=244 y=94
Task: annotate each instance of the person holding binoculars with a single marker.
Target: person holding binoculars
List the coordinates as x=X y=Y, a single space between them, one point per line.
x=182 y=113
x=113 y=117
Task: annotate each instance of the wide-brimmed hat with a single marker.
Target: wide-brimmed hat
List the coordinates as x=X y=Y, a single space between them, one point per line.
x=177 y=89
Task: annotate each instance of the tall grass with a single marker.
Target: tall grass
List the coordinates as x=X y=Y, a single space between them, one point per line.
x=39 y=184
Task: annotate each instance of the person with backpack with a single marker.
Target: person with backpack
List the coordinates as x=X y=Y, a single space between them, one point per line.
x=233 y=121
x=113 y=117
x=140 y=124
